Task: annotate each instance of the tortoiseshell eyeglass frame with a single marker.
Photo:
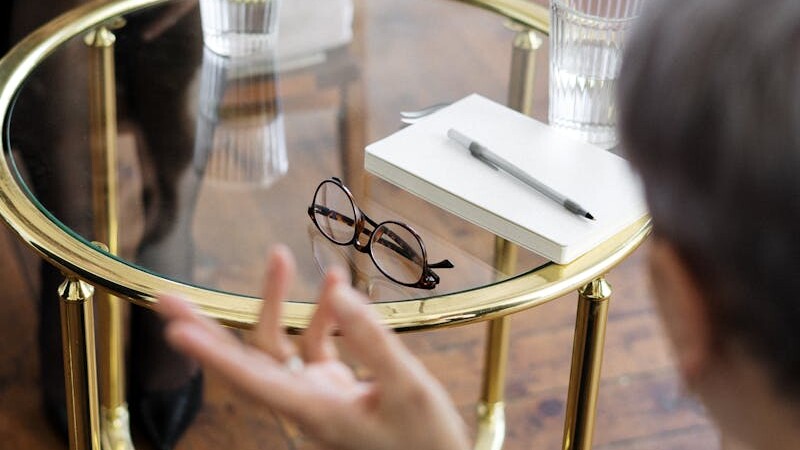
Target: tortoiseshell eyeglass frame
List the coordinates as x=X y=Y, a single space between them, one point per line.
x=428 y=278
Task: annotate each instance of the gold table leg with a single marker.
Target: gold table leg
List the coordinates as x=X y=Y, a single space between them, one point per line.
x=103 y=126
x=80 y=369
x=523 y=68
x=587 y=359
x=491 y=410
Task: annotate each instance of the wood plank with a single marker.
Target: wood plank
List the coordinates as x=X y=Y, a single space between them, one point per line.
x=22 y=422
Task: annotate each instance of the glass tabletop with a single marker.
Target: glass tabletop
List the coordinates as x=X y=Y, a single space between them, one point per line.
x=217 y=159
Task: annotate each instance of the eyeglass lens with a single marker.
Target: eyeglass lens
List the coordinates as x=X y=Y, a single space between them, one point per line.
x=334 y=213
x=397 y=252
x=394 y=248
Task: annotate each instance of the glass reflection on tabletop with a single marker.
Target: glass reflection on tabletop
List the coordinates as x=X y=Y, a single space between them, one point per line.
x=363 y=274
x=240 y=136
x=219 y=156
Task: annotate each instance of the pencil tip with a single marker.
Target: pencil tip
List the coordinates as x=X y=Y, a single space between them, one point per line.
x=588 y=216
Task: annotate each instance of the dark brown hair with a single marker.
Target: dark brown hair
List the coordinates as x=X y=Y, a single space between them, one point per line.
x=710 y=116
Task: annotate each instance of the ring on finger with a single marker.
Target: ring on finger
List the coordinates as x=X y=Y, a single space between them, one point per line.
x=294 y=364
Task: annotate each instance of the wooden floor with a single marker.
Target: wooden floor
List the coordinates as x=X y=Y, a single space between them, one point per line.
x=641 y=404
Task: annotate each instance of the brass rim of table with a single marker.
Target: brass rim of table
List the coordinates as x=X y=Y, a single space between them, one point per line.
x=77 y=257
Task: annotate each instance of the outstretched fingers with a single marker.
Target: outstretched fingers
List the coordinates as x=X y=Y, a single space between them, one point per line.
x=378 y=348
x=248 y=369
x=176 y=310
x=268 y=334
x=317 y=342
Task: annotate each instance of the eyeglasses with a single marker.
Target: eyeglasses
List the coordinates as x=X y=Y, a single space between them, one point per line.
x=375 y=285
x=395 y=248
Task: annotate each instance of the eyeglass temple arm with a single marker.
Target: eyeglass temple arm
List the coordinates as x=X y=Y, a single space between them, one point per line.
x=330 y=214
x=443 y=264
x=402 y=248
x=407 y=251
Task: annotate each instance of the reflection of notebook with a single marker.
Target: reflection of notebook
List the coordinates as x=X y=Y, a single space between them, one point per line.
x=422 y=160
x=307 y=28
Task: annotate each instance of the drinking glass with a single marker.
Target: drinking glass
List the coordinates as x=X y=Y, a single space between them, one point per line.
x=586 y=42
x=239 y=27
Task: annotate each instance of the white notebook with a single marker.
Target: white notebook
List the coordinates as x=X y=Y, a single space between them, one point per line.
x=423 y=160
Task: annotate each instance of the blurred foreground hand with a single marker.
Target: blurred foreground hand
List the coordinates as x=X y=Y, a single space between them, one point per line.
x=401 y=407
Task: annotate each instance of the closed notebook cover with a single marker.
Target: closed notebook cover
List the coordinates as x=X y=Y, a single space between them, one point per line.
x=423 y=160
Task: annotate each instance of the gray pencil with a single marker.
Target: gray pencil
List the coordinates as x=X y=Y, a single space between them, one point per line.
x=491 y=159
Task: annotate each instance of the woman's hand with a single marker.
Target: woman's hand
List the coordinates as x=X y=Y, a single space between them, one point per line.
x=401 y=407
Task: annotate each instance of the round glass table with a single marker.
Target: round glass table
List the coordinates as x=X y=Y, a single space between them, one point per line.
x=139 y=162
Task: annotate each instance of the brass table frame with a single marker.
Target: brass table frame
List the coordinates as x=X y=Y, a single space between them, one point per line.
x=89 y=266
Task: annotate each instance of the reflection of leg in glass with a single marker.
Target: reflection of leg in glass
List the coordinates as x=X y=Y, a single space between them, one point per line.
x=166 y=386
x=50 y=130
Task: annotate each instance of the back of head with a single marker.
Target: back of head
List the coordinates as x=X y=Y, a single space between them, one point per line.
x=710 y=115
